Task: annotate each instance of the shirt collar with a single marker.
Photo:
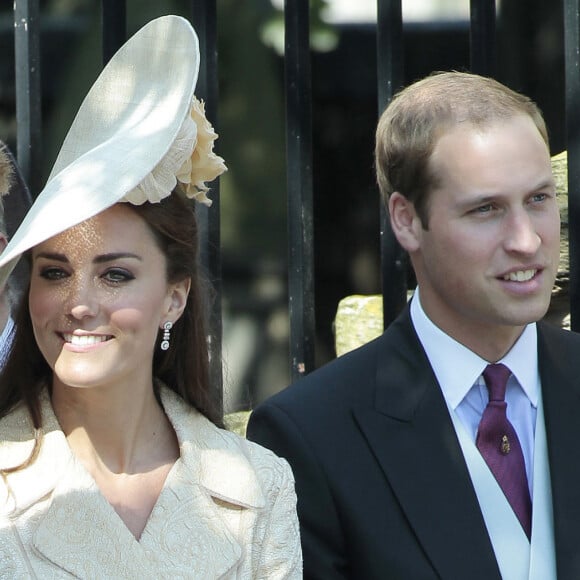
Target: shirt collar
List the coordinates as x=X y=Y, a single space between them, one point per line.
x=457 y=379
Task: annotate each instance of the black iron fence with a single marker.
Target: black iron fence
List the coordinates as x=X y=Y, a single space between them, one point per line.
x=299 y=142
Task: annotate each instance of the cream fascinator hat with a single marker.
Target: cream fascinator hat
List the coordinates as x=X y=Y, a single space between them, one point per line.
x=138 y=132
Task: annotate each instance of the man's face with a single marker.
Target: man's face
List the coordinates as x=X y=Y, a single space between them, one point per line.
x=488 y=260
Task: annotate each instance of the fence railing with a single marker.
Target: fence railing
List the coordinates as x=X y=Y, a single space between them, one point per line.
x=298 y=90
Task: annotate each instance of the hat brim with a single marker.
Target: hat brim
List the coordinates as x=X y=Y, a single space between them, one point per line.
x=124 y=127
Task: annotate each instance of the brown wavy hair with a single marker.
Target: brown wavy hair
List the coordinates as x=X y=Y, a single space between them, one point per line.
x=415 y=119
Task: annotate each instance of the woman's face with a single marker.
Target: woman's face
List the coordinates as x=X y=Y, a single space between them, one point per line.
x=98 y=295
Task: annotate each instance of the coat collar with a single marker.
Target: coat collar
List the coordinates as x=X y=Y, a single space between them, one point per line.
x=217 y=458
x=208 y=490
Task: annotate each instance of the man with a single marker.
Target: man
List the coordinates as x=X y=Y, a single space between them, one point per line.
x=406 y=463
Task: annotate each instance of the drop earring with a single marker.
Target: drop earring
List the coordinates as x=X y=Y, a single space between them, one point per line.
x=166 y=335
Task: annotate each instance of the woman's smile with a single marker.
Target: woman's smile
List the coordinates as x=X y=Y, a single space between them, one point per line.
x=85 y=339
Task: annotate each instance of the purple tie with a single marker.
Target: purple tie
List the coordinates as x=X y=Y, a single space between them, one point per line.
x=500 y=447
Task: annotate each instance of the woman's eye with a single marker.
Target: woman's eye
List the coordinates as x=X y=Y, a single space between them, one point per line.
x=118 y=275
x=53 y=273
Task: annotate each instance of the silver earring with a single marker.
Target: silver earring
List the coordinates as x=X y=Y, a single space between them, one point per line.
x=166 y=336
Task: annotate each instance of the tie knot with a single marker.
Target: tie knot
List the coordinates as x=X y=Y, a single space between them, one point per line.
x=496 y=377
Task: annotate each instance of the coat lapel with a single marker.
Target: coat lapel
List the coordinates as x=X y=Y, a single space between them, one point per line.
x=560 y=375
x=211 y=498
x=412 y=437
x=82 y=534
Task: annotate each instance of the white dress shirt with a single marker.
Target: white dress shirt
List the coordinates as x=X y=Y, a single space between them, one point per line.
x=458 y=371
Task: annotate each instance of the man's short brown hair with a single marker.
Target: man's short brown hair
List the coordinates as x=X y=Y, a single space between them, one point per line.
x=415 y=119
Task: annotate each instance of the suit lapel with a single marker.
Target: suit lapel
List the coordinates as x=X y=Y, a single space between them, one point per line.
x=559 y=373
x=411 y=435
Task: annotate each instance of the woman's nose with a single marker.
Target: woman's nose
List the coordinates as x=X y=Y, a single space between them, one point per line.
x=82 y=300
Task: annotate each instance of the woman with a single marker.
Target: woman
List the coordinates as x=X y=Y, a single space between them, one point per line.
x=112 y=459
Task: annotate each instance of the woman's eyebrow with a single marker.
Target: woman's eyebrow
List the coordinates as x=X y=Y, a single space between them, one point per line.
x=116 y=256
x=102 y=258
x=52 y=256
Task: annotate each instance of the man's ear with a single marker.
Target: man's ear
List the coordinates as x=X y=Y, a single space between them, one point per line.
x=3 y=242
x=405 y=222
x=177 y=300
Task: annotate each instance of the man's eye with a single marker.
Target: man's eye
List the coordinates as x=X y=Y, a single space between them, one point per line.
x=117 y=275
x=539 y=197
x=484 y=208
x=53 y=273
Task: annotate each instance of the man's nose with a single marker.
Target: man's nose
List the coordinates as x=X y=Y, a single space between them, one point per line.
x=520 y=234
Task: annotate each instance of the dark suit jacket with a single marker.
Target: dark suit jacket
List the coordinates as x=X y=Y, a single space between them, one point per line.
x=383 y=488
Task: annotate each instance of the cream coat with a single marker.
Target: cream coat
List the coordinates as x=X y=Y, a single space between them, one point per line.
x=227 y=510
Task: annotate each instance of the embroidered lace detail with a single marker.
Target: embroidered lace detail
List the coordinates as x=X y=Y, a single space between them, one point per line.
x=202 y=526
x=277 y=551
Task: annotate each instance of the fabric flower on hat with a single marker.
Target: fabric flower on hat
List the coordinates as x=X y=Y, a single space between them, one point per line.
x=190 y=160
x=203 y=165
